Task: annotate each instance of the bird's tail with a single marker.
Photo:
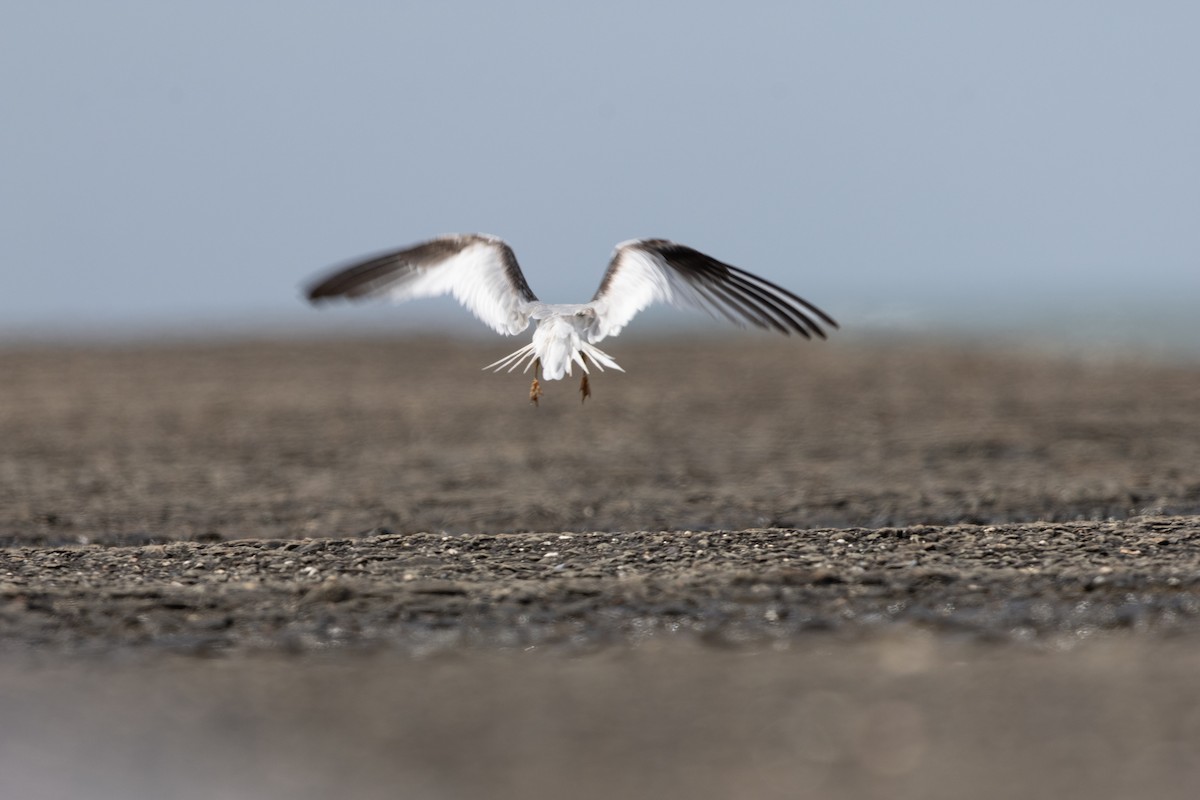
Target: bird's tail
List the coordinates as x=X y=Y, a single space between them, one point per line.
x=514 y=360
x=601 y=358
x=527 y=355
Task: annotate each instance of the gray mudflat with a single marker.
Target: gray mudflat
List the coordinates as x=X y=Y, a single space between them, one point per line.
x=742 y=569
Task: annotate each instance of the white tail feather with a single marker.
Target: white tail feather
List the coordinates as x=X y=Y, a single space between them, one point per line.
x=512 y=360
x=556 y=356
x=601 y=358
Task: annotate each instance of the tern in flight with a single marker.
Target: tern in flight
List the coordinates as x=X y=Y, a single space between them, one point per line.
x=482 y=273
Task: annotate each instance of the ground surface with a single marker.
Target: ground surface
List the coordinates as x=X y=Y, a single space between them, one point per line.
x=851 y=569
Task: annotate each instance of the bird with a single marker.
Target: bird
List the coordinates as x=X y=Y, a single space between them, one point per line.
x=482 y=273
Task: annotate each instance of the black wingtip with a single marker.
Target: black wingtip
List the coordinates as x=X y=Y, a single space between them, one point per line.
x=357 y=279
x=318 y=293
x=828 y=320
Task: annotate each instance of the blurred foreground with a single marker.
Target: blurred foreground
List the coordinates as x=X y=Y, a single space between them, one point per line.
x=903 y=715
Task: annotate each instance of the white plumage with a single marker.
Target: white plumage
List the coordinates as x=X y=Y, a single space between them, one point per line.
x=482 y=273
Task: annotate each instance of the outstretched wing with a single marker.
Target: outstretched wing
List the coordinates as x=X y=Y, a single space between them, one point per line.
x=480 y=271
x=647 y=271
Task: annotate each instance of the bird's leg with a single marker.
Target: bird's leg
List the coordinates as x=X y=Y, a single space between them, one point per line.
x=535 y=391
x=585 y=391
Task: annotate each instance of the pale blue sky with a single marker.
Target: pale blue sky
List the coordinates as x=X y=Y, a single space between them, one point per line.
x=192 y=164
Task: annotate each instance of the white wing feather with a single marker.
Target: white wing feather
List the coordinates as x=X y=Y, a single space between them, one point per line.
x=637 y=279
x=479 y=271
x=477 y=278
x=646 y=271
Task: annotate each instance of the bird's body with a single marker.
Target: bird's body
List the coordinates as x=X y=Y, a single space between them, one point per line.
x=482 y=273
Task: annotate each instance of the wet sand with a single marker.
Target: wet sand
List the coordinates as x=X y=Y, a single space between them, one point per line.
x=852 y=569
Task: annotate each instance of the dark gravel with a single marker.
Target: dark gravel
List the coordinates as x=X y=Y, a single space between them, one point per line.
x=422 y=592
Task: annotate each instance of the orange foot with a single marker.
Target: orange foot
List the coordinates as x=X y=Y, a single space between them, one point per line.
x=535 y=391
